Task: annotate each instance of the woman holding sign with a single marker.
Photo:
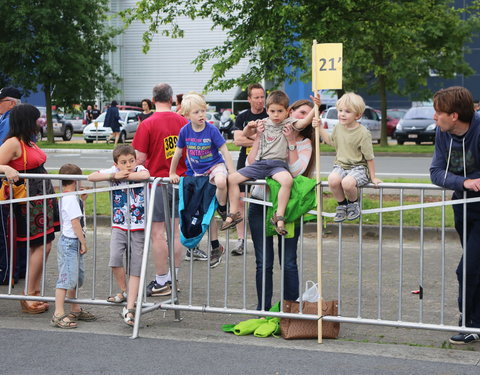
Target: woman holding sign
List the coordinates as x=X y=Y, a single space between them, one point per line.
x=300 y=161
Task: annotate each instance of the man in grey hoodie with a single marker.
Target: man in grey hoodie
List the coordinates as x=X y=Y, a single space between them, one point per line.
x=456 y=166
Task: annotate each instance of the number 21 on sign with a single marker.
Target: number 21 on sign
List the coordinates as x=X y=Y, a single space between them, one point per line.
x=327 y=63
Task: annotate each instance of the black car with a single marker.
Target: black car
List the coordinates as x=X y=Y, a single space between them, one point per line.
x=416 y=126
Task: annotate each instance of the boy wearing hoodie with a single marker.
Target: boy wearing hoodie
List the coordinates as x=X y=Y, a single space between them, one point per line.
x=456 y=166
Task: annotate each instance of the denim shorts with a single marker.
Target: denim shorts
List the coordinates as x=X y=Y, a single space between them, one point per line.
x=71 y=267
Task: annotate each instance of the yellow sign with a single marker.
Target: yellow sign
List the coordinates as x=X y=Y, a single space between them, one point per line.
x=327 y=63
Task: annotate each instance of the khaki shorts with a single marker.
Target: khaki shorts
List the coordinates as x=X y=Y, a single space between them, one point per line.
x=359 y=173
x=119 y=246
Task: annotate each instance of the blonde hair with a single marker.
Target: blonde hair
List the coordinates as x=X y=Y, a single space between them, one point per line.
x=191 y=100
x=353 y=102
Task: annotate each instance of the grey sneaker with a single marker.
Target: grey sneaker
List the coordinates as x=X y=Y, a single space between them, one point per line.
x=196 y=253
x=353 y=211
x=239 y=247
x=341 y=214
x=464 y=338
x=216 y=256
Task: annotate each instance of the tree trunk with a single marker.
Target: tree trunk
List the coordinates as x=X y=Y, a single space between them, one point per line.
x=383 y=109
x=48 y=101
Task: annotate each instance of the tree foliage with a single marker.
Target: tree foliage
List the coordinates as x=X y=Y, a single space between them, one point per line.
x=389 y=45
x=59 y=44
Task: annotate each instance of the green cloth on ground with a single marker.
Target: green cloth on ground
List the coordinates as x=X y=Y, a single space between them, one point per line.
x=302 y=199
x=247 y=327
x=228 y=327
x=259 y=327
x=270 y=327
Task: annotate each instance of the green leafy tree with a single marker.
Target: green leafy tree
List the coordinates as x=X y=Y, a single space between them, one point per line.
x=60 y=45
x=389 y=46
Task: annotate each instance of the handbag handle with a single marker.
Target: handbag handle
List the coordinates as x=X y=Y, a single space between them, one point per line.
x=24 y=156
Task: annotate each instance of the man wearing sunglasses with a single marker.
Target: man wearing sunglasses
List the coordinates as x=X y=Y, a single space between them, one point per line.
x=9 y=98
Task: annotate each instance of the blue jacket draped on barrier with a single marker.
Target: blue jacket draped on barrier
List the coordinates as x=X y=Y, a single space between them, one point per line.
x=197 y=204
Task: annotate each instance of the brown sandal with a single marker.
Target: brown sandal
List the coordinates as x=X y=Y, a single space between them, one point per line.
x=84 y=315
x=279 y=229
x=37 y=293
x=63 y=321
x=236 y=218
x=33 y=307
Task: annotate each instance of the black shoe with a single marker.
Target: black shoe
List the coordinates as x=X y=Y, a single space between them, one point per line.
x=464 y=338
x=154 y=289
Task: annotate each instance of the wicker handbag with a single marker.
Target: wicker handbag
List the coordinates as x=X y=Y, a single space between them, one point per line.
x=308 y=329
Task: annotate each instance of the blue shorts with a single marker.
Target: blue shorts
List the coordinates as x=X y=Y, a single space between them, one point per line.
x=263 y=168
x=71 y=268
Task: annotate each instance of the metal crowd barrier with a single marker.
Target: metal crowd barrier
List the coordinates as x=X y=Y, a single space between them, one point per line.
x=371 y=282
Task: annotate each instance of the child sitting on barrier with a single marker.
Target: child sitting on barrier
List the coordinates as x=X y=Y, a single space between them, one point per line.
x=354 y=164
x=205 y=147
x=272 y=146
x=71 y=268
x=128 y=224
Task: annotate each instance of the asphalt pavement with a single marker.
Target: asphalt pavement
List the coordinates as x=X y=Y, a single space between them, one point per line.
x=37 y=352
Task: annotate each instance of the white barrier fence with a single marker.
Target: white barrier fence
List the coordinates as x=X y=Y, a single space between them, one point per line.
x=373 y=279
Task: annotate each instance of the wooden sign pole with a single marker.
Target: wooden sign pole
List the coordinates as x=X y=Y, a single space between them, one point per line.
x=319 y=206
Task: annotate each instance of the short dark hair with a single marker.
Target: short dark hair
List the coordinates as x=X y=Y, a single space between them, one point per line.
x=149 y=102
x=114 y=103
x=254 y=86
x=69 y=169
x=162 y=93
x=23 y=122
x=123 y=150
x=277 y=97
x=455 y=99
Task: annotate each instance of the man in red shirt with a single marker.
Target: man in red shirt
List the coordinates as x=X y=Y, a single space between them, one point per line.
x=154 y=143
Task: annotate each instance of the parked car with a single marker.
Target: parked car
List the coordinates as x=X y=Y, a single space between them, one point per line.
x=77 y=120
x=129 y=124
x=61 y=127
x=213 y=118
x=370 y=119
x=416 y=126
x=393 y=117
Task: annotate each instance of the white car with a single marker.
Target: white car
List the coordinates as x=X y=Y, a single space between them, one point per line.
x=95 y=130
x=370 y=120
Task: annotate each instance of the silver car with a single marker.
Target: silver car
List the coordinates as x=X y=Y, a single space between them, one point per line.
x=370 y=120
x=96 y=131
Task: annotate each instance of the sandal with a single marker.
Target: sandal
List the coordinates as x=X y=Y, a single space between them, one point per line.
x=37 y=293
x=63 y=321
x=236 y=218
x=128 y=320
x=84 y=315
x=33 y=307
x=118 y=298
x=279 y=229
